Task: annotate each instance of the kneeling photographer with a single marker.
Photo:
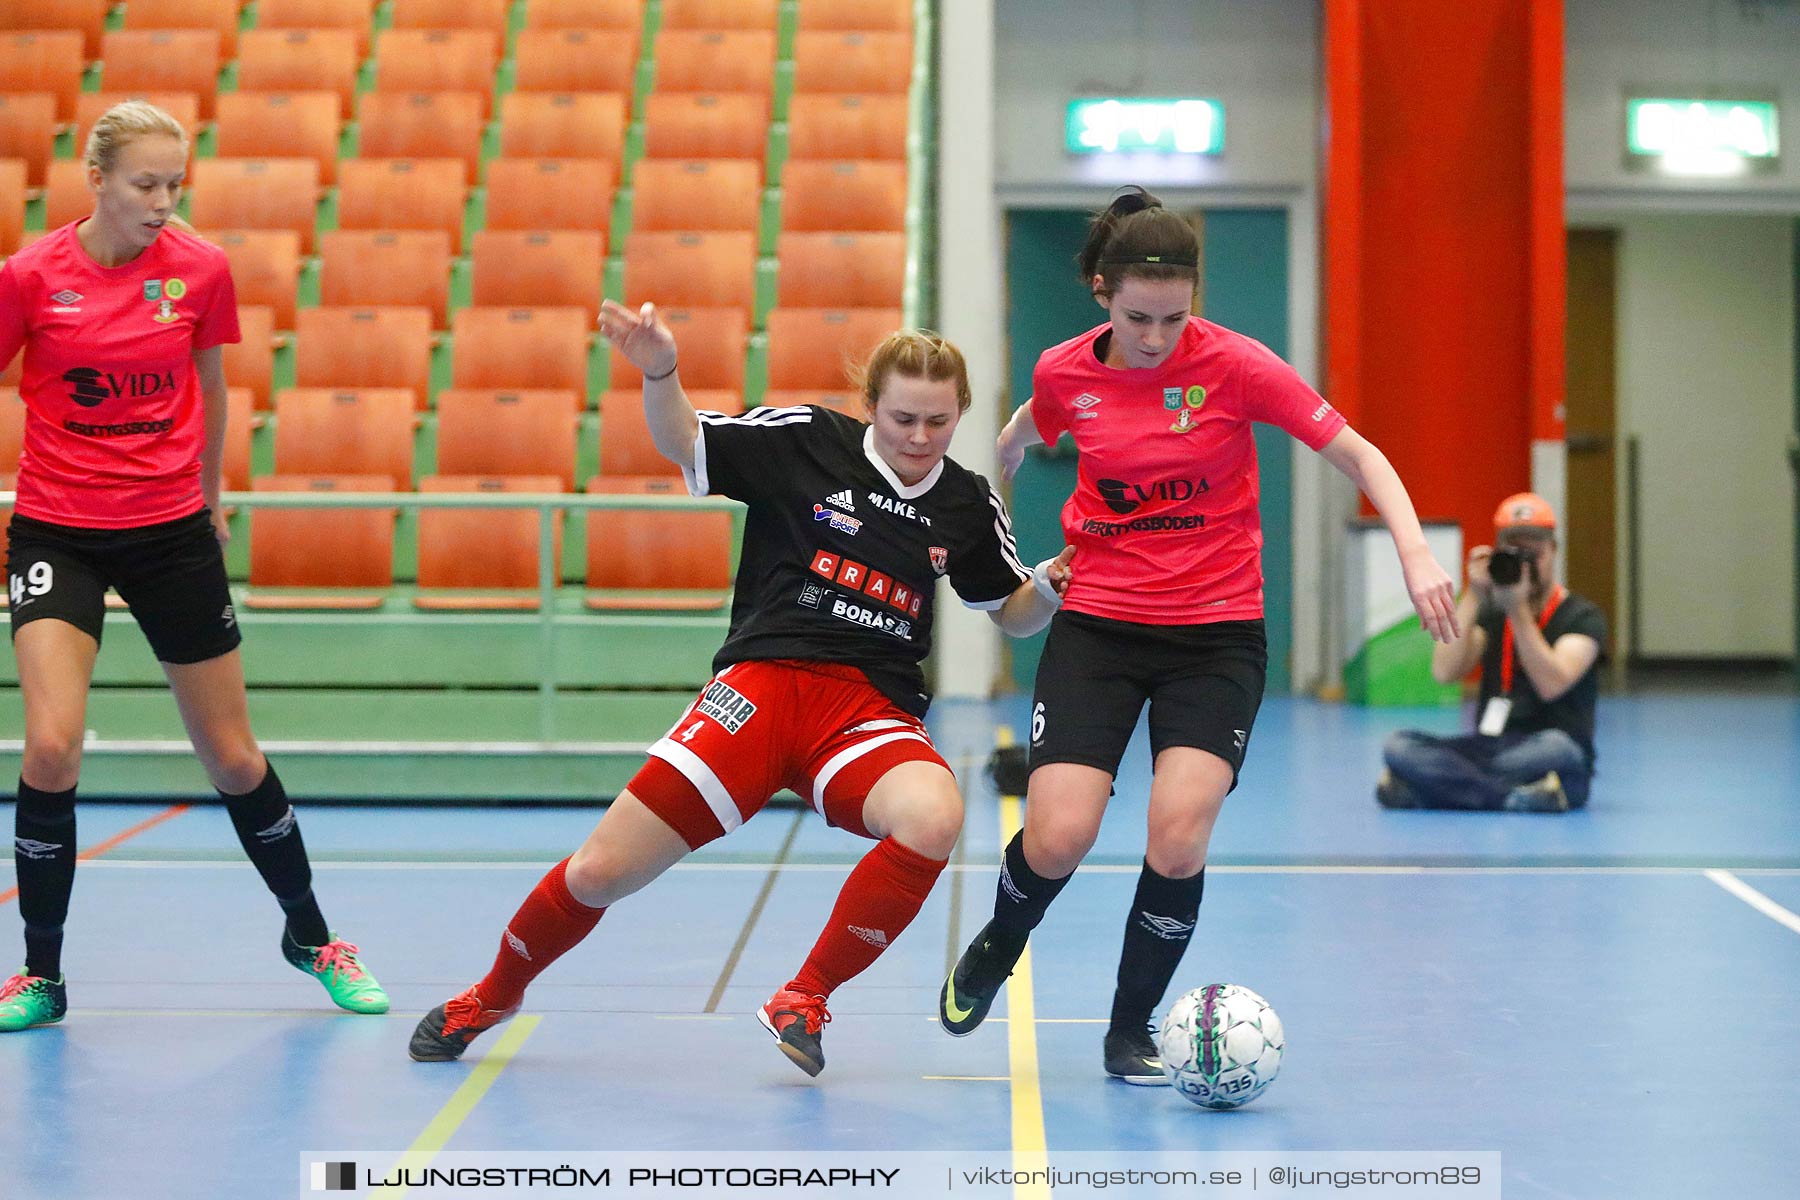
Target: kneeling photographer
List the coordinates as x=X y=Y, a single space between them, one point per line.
x=1539 y=647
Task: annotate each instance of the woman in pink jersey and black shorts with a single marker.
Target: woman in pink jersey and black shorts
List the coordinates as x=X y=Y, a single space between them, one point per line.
x=122 y=317
x=1166 y=606
x=818 y=686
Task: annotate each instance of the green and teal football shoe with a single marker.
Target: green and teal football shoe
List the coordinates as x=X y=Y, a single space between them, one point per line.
x=27 y=1000
x=335 y=966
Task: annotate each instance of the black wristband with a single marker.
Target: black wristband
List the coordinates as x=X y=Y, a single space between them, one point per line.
x=664 y=375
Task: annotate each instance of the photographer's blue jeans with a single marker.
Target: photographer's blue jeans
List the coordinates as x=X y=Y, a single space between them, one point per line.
x=1474 y=772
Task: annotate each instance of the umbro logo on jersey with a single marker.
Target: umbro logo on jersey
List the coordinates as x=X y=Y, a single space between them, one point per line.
x=518 y=945
x=1243 y=735
x=1086 y=401
x=875 y=937
x=32 y=848
x=843 y=500
x=280 y=829
x=229 y=616
x=66 y=297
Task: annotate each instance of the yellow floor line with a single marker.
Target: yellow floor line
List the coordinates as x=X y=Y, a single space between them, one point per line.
x=1030 y=1151
x=460 y=1104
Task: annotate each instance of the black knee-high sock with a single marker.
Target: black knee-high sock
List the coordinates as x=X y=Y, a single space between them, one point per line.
x=270 y=835
x=1156 y=936
x=1022 y=894
x=44 y=854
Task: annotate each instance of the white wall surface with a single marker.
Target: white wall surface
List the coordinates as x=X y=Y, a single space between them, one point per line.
x=1261 y=59
x=1706 y=384
x=1735 y=49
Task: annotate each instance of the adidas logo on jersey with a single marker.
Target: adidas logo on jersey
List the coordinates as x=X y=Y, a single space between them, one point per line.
x=875 y=937
x=842 y=500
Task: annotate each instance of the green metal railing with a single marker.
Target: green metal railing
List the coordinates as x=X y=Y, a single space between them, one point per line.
x=546 y=505
x=919 y=302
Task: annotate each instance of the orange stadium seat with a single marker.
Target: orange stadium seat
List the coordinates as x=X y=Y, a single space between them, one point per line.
x=423 y=125
x=350 y=15
x=520 y=348
x=697 y=193
x=437 y=60
x=395 y=267
x=281 y=125
x=12 y=428
x=490 y=549
x=574 y=60
x=720 y=14
x=549 y=193
x=822 y=347
x=706 y=125
x=500 y=432
x=563 y=125
x=489 y=16
x=28 y=132
x=691 y=270
x=625 y=445
x=320 y=549
x=348 y=431
x=585 y=14
x=265 y=267
x=300 y=60
x=183 y=106
x=728 y=61
x=519 y=269
x=220 y=16
x=365 y=348
x=840 y=270
x=403 y=193
x=835 y=126
x=665 y=559
x=66 y=194
x=847 y=402
x=852 y=62
x=163 y=60
x=51 y=62
x=853 y=15
x=12 y=207
x=250 y=362
x=256 y=193
x=240 y=418
x=861 y=197
x=712 y=349
x=87 y=17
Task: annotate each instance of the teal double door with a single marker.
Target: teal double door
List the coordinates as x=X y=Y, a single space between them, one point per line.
x=1244 y=286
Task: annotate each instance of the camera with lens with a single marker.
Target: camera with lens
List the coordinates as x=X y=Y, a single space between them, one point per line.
x=1506 y=567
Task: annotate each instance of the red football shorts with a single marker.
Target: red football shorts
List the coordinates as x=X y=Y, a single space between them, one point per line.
x=820 y=729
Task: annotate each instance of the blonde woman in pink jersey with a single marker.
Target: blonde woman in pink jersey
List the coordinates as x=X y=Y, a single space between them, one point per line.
x=122 y=317
x=1166 y=605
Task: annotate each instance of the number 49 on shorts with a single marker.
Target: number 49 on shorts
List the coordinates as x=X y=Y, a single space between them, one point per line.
x=36 y=581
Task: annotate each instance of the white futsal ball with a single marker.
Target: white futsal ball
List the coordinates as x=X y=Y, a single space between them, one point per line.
x=1221 y=1045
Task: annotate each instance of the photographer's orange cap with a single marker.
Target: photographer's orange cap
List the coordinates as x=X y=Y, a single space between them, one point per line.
x=1525 y=508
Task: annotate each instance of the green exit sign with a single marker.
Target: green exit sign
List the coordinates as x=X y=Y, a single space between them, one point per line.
x=1679 y=129
x=1145 y=126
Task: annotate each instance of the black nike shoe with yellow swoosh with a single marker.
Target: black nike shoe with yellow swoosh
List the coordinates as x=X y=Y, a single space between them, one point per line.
x=971 y=986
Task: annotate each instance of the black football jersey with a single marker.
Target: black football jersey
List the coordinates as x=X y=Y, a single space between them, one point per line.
x=840 y=559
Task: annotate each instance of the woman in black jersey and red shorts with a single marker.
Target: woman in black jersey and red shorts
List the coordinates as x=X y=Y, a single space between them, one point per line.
x=123 y=316
x=817 y=687
x=1166 y=606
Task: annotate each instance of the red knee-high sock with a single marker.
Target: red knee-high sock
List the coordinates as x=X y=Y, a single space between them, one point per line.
x=548 y=925
x=880 y=899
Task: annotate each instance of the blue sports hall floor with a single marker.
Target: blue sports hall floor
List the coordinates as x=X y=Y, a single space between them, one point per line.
x=1606 y=998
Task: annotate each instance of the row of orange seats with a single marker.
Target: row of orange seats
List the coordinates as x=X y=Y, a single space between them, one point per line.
x=370 y=431
x=88 y=17
x=454 y=60
x=669 y=560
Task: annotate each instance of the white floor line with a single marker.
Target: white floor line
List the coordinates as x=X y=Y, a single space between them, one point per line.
x=235 y=863
x=1755 y=899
